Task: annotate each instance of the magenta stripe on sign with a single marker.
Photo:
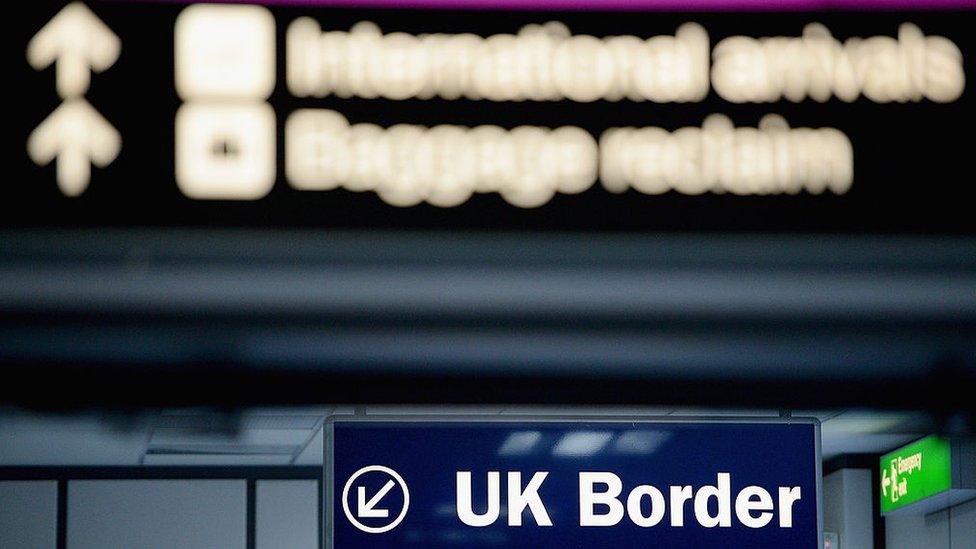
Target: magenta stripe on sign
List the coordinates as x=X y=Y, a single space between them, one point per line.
x=632 y=5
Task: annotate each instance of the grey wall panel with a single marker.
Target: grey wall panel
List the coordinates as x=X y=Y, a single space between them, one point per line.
x=962 y=519
x=953 y=528
x=157 y=514
x=847 y=507
x=286 y=514
x=28 y=514
x=915 y=531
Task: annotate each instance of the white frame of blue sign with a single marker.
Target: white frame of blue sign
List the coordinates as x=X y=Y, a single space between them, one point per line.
x=328 y=479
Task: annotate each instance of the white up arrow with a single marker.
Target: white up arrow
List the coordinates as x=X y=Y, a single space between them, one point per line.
x=78 y=136
x=367 y=509
x=77 y=41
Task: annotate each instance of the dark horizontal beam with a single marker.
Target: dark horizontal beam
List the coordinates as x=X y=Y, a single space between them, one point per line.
x=145 y=247
x=100 y=387
x=851 y=461
x=264 y=472
x=504 y=276
x=159 y=317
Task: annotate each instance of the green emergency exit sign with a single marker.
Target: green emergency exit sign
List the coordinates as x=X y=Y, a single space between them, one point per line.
x=915 y=472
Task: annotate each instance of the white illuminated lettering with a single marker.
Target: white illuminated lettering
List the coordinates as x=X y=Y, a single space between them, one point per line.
x=818 y=66
x=225 y=73
x=745 y=505
x=589 y=498
x=519 y=499
x=721 y=493
x=540 y=63
x=406 y=165
x=787 y=497
x=464 y=506
x=600 y=503
x=546 y=63
x=528 y=165
x=770 y=159
x=634 y=506
x=679 y=495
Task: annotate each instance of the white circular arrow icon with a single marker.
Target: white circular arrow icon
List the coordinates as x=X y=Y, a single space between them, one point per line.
x=369 y=508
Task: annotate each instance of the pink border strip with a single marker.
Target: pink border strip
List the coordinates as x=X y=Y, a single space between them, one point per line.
x=635 y=5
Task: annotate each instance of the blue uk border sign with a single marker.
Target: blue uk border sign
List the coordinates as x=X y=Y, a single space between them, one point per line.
x=477 y=482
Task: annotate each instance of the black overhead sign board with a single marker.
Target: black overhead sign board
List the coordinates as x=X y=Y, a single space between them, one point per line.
x=169 y=114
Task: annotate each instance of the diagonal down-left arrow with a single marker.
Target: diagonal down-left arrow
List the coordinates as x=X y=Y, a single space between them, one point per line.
x=78 y=137
x=367 y=509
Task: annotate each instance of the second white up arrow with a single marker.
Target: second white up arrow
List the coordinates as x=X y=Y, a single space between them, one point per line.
x=78 y=136
x=78 y=42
